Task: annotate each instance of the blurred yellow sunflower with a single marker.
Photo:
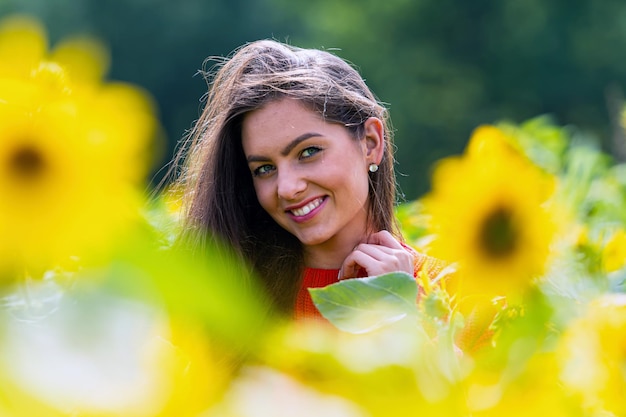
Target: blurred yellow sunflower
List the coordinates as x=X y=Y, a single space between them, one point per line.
x=73 y=149
x=614 y=252
x=134 y=361
x=533 y=390
x=23 y=45
x=488 y=214
x=593 y=356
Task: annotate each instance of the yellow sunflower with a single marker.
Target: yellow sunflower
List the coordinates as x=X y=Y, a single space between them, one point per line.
x=488 y=215
x=593 y=356
x=56 y=191
x=73 y=151
x=614 y=252
x=135 y=362
x=534 y=390
x=23 y=45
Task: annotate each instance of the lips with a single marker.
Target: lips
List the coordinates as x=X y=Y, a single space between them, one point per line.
x=307 y=208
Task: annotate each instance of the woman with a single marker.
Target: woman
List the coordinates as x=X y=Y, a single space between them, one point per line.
x=291 y=165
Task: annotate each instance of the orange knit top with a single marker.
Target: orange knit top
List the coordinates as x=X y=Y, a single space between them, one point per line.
x=317 y=278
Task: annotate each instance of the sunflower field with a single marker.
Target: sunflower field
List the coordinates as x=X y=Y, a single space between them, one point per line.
x=101 y=316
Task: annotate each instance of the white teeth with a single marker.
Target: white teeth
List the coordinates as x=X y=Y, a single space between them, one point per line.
x=303 y=211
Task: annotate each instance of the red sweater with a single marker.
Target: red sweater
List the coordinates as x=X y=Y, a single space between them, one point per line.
x=313 y=278
x=317 y=278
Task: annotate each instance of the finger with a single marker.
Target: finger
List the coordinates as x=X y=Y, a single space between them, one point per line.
x=356 y=261
x=384 y=238
x=351 y=268
x=376 y=260
x=378 y=252
x=384 y=253
x=389 y=259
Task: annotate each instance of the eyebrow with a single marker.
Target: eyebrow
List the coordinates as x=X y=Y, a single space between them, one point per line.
x=287 y=149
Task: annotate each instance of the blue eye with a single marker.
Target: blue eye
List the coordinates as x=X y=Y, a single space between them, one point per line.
x=310 y=151
x=262 y=170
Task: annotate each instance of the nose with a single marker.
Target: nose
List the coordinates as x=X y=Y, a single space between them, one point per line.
x=290 y=184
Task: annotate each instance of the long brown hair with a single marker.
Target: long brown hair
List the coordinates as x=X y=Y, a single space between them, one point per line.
x=219 y=197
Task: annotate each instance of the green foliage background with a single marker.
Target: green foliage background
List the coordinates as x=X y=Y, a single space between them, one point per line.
x=443 y=66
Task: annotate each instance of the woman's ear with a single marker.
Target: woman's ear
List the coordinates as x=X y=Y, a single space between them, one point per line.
x=374 y=141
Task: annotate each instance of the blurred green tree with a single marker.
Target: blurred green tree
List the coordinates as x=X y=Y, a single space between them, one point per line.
x=443 y=66
x=157 y=44
x=446 y=66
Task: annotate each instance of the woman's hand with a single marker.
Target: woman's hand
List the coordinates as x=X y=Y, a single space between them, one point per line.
x=380 y=254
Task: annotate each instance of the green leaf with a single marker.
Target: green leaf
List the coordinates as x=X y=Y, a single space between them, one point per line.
x=363 y=304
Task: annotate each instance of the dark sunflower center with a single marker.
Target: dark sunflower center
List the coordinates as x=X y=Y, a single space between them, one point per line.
x=498 y=235
x=26 y=163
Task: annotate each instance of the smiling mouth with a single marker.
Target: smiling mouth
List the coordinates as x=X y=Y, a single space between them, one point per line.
x=304 y=210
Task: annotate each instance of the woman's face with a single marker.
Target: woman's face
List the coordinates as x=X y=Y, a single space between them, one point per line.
x=309 y=175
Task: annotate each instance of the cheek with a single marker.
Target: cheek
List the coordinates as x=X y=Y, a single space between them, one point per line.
x=350 y=188
x=264 y=195
x=359 y=186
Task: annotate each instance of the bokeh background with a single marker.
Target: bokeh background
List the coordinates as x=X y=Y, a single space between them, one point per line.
x=103 y=315
x=442 y=66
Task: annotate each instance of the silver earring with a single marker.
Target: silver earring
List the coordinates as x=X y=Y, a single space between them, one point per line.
x=373 y=167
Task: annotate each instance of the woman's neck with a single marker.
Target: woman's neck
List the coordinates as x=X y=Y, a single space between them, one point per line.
x=331 y=254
